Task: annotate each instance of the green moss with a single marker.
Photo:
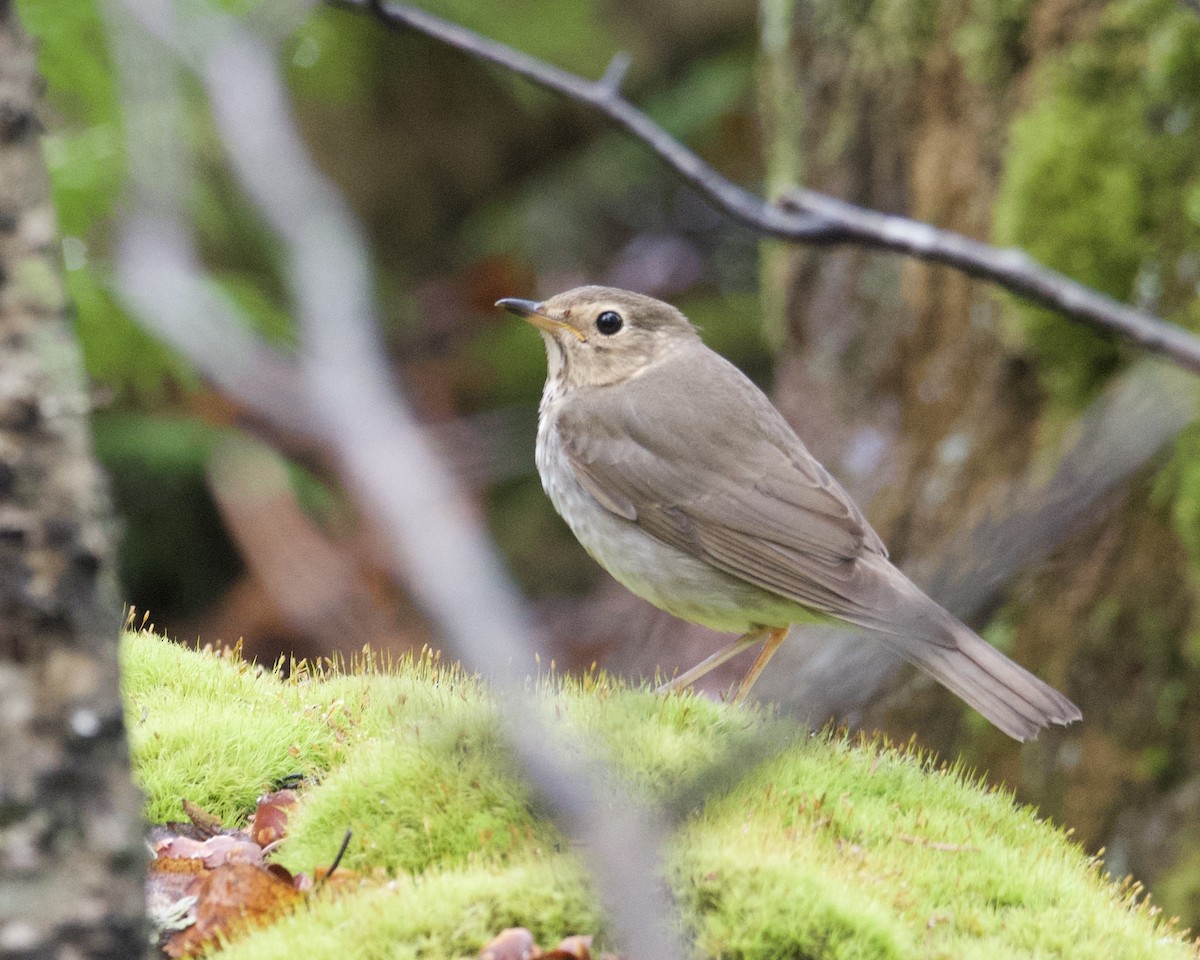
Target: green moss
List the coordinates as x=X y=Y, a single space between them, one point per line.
x=833 y=849
x=444 y=913
x=1177 y=488
x=1098 y=173
x=1071 y=198
x=219 y=730
x=879 y=35
x=1178 y=485
x=211 y=731
x=430 y=792
x=743 y=914
x=922 y=860
x=990 y=40
x=1179 y=888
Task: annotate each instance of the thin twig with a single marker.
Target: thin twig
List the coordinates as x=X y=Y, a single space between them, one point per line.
x=337 y=860
x=811 y=217
x=739 y=203
x=614 y=73
x=936 y=844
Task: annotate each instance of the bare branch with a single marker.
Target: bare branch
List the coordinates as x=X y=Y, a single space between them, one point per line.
x=614 y=73
x=1010 y=268
x=739 y=203
x=811 y=217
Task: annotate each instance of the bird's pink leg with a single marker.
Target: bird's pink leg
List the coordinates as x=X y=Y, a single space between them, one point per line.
x=708 y=664
x=775 y=637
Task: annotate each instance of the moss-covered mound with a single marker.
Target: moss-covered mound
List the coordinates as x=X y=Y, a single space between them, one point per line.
x=830 y=849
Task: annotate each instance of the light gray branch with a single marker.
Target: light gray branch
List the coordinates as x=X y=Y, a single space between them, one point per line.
x=344 y=398
x=811 y=217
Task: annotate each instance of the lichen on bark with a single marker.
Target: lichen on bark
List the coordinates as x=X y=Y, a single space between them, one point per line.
x=70 y=825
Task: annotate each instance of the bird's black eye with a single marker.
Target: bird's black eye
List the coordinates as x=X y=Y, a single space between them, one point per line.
x=609 y=322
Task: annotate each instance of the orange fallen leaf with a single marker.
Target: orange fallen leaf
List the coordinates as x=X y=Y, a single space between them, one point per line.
x=167 y=883
x=342 y=875
x=578 y=947
x=228 y=899
x=271 y=816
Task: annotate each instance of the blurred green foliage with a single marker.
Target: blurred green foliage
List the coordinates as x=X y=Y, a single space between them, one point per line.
x=1182 y=480
x=567 y=32
x=1097 y=172
x=173 y=549
x=85 y=158
x=879 y=35
x=990 y=40
x=1177 y=489
x=562 y=215
x=412 y=169
x=333 y=58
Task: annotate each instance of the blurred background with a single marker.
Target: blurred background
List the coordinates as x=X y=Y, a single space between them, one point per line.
x=1038 y=477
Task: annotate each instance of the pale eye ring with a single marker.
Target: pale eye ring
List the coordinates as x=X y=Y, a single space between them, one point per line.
x=609 y=322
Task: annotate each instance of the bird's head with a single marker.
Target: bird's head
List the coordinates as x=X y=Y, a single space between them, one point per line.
x=597 y=336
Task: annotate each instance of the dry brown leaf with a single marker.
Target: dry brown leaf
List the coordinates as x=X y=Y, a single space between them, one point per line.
x=342 y=875
x=207 y=824
x=213 y=852
x=271 y=816
x=515 y=943
x=168 y=882
x=578 y=947
x=228 y=899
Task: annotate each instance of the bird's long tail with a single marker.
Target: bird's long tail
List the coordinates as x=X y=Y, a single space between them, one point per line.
x=1003 y=691
x=955 y=656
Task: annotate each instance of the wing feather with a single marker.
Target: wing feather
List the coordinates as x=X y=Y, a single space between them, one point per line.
x=723 y=478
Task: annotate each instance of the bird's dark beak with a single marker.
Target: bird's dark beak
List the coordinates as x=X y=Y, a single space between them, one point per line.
x=522 y=308
x=530 y=312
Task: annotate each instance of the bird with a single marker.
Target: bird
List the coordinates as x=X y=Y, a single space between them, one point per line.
x=680 y=478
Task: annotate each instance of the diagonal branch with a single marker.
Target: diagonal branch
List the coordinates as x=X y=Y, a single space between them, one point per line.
x=337 y=390
x=808 y=216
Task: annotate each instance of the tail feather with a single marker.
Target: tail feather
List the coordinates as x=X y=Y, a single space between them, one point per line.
x=929 y=637
x=1003 y=691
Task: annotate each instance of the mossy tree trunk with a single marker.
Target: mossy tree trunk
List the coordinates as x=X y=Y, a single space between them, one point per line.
x=927 y=393
x=71 y=862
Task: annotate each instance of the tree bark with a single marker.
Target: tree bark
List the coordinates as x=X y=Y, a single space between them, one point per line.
x=904 y=380
x=71 y=861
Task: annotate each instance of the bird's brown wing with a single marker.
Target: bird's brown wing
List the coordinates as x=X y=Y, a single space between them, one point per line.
x=723 y=477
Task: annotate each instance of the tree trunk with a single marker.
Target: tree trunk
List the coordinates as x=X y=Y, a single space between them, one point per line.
x=71 y=861
x=906 y=381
